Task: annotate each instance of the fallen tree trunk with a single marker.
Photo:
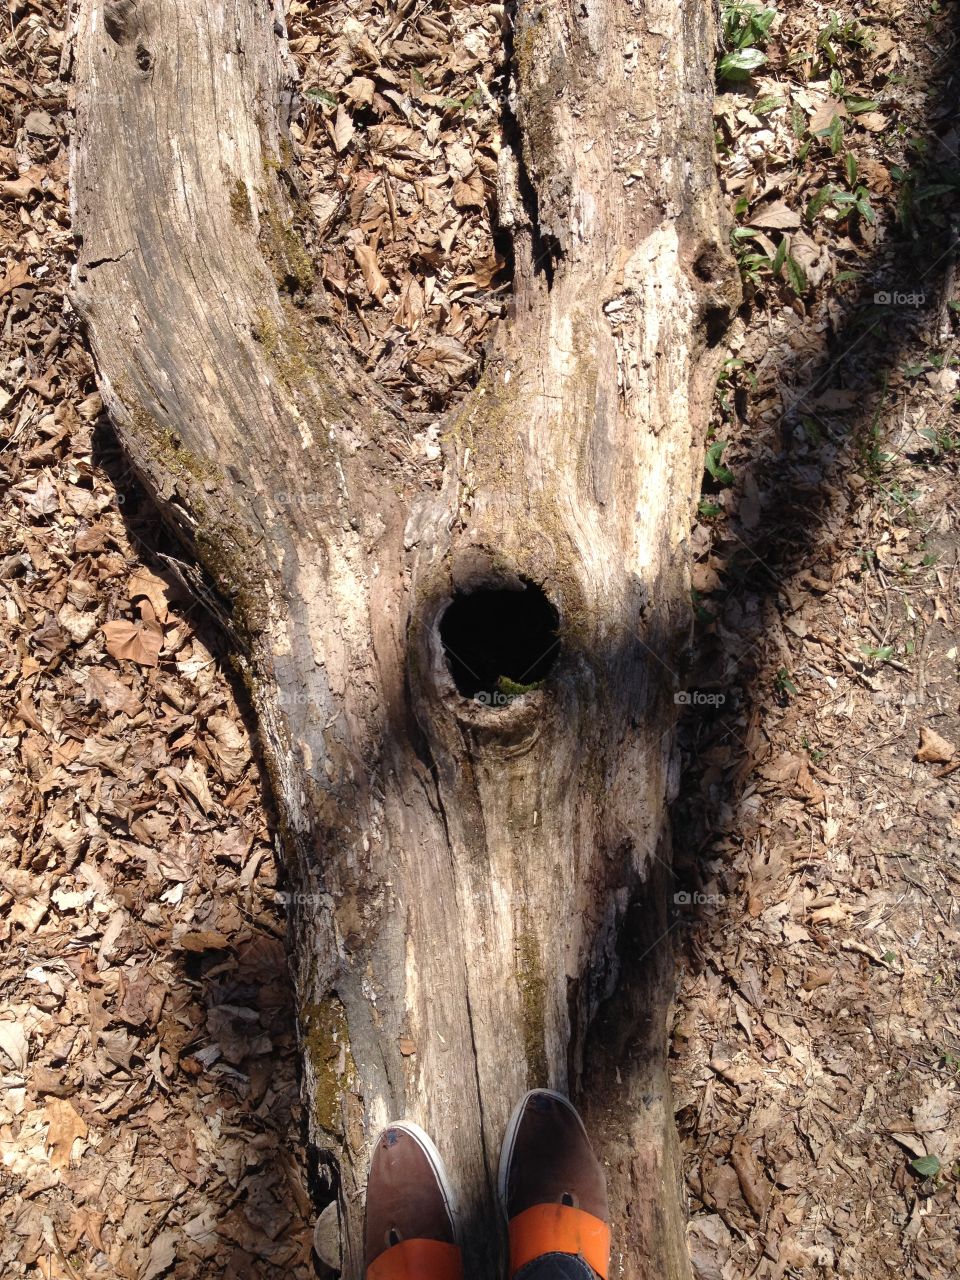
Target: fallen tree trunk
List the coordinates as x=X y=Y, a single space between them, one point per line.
x=465 y=848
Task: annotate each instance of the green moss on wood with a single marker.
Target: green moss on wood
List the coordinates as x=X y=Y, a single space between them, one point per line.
x=532 y=986
x=240 y=203
x=282 y=245
x=221 y=539
x=326 y=1045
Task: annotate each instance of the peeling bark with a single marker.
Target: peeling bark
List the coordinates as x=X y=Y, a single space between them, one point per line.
x=472 y=877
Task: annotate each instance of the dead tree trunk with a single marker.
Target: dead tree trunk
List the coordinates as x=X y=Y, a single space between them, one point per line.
x=464 y=861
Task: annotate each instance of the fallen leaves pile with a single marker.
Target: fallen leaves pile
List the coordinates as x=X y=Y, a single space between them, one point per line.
x=816 y=1051
x=397 y=148
x=148 y=1108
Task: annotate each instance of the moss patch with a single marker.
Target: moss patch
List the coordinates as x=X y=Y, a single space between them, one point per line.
x=282 y=246
x=240 y=203
x=222 y=540
x=326 y=1046
x=532 y=986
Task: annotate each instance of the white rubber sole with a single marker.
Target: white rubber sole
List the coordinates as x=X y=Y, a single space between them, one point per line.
x=510 y=1138
x=428 y=1147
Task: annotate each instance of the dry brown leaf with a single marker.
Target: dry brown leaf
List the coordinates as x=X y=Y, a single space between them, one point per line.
x=13 y=1044
x=21 y=188
x=192 y=779
x=230 y=746
x=161 y=1256
x=753 y=1183
x=777 y=216
x=110 y=691
x=65 y=1126
x=342 y=129
x=837 y=399
x=372 y=276
x=202 y=940
x=469 y=192
x=933 y=749
x=138 y=642
x=360 y=91
x=16 y=275
x=826 y=113
x=159 y=590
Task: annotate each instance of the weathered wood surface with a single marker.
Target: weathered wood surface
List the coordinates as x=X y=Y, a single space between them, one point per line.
x=464 y=870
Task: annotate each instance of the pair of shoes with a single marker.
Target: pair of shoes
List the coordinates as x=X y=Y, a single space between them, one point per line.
x=551 y=1187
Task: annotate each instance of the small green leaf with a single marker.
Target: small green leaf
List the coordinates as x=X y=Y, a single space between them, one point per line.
x=321 y=95
x=740 y=64
x=881 y=654
x=926 y=1166
x=709 y=509
x=720 y=473
x=783 y=684
x=796 y=276
x=851 y=167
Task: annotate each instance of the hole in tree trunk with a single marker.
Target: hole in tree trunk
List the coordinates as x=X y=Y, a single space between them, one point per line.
x=499 y=642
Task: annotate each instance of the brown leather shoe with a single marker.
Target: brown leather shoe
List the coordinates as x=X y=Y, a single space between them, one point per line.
x=410 y=1227
x=552 y=1187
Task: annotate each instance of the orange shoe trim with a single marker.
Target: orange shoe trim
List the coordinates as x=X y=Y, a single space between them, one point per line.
x=559 y=1228
x=418 y=1260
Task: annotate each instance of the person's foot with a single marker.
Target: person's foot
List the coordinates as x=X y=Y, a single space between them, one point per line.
x=552 y=1187
x=410 y=1228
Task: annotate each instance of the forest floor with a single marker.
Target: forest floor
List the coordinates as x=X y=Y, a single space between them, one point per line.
x=149 y=1120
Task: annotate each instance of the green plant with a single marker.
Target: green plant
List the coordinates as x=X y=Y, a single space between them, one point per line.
x=715 y=467
x=783 y=685
x=943 y=440
x=703 y=615
x=877 y=653
x=815 y=754
x=928 y=189
x=874 y=459
x=322 y=96
x=726 y=383
x=845 y=203
x=926 y=1166
x=744 y=27
x=838 y=37
x=756 y=265
x=513 y=688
